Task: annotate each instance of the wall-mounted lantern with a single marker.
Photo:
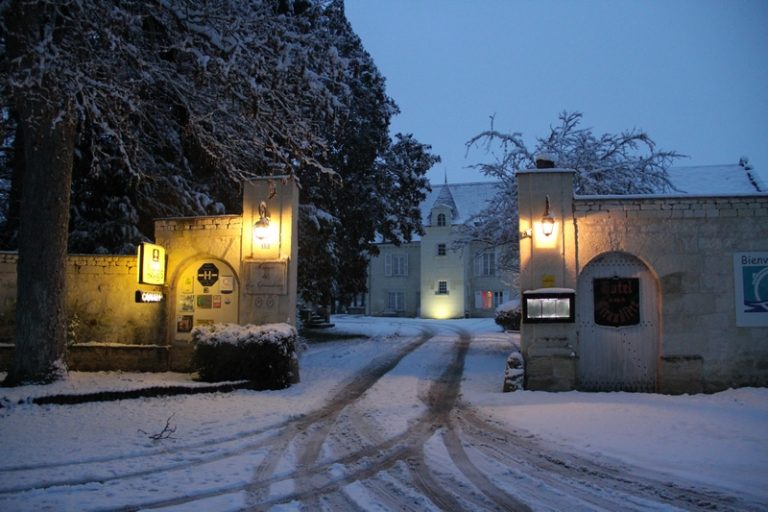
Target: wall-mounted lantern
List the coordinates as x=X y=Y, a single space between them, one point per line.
x=261 y=226
x=544 y=231
x=547 y=221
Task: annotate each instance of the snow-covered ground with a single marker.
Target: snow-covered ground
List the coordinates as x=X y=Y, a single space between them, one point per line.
x=350 y=432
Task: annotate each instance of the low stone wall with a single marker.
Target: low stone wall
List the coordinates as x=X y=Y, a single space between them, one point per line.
x=689 y=243
x=101 y=308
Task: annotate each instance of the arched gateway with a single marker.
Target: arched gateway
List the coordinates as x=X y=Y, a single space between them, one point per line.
x=618 y=325
x=206 y=293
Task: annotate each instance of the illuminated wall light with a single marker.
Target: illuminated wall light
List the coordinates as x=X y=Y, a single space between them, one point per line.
x=261 y=226
x=546 y=229
x=547 y=221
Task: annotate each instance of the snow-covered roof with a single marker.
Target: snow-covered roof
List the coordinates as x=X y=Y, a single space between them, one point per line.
x=716 y=180
x=467 y=199
x=445 y=198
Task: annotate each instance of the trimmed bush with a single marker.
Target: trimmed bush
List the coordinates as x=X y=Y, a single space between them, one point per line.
x=508 y=315
x=263 y=354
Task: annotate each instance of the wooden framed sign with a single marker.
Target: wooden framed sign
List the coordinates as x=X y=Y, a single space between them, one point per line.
x=617 y=301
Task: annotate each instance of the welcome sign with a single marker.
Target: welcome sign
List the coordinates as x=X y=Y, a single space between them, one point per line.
x=751 y=286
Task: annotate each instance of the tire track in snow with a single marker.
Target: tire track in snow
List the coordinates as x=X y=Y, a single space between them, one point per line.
x=365 y=378
x=595 y=485
x=349 y=393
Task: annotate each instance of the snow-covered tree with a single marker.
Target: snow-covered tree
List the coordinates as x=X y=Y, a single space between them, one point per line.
x=163 y=108
x=624 y=163
x=379 y=187
x=152 y=109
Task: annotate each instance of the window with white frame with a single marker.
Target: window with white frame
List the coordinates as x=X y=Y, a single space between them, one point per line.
x=442 y=288
x=441 y=249
x=395 y=265
x=441 y=219
x=396 y=301
x=488 y=299
x=485 y=263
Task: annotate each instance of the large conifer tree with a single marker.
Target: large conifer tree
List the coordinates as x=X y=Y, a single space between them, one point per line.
x=156 y=109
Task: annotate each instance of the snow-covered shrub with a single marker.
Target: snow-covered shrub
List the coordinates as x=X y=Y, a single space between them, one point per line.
x=514 y=375
x=508 y=315
x=262 y=354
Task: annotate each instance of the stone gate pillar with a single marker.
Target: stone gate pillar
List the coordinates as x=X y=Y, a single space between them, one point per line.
x=269 y=251
x=547 y=269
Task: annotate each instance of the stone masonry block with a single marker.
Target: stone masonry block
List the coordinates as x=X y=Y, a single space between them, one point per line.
x=681 y=374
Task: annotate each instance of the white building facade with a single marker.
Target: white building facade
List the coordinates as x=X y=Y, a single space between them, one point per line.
x=431 y=277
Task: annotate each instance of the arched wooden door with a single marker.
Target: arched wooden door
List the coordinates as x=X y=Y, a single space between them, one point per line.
x=206 y=293
x=618 y=323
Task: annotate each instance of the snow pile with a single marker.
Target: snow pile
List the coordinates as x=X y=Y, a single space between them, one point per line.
x=514 y=374
x=508 y=315
x=510 y=305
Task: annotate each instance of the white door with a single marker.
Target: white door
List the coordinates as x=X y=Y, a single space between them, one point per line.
x=618 y=323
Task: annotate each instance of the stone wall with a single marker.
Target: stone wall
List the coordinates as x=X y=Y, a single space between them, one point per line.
x=101 y=306
x=108 y=329
x=689 y=243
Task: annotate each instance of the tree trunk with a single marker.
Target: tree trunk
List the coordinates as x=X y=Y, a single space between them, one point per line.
x=49 y=133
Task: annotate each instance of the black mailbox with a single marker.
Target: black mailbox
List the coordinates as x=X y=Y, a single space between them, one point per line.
x=549 y=305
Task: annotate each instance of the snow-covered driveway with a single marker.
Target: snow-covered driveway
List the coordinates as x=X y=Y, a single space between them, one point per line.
x=402 y=420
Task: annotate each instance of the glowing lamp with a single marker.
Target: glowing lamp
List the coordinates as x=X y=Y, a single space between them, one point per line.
x=547 y=221
x=261 y=226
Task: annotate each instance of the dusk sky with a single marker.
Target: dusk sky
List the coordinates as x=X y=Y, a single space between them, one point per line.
x=692 y=73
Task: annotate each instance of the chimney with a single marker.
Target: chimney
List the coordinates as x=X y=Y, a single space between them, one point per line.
x=545 y=161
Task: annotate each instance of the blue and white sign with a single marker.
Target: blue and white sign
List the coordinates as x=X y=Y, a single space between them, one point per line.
x=751 y=280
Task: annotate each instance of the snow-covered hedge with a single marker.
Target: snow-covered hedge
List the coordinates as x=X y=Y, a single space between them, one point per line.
x=508 y=315
x=262 y=354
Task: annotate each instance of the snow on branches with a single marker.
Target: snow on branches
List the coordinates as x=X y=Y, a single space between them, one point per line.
x=623 y=163
x=177 y=102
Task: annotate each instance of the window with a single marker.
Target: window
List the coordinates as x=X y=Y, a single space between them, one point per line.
x=395 y=265
x=396 y=301
x=488 y=299
x=442 y=288
x=485 y=264
x=441 y=219
x=441 y=249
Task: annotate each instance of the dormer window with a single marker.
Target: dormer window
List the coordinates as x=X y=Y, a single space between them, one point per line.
x=441 y=219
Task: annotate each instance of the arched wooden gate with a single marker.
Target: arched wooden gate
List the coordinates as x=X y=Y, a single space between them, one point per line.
x=618 y=325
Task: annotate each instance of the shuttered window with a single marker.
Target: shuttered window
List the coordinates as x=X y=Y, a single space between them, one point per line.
x=396 y=301
x=485 y=264
x=395 y=265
